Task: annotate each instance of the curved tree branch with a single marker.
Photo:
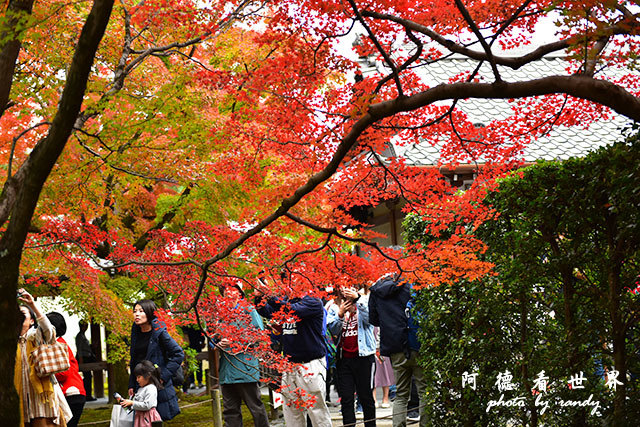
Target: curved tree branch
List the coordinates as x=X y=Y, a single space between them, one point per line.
x=512 y=62
x=579 y=86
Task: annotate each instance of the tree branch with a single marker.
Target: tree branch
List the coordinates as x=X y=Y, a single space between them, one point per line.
x=385 y=55
x=579 y=86
x=412 y=59
x=511 y=62
x=15 y=141
x=334 y=232
x=487 y=49
x=21 y=192
x=13 y=19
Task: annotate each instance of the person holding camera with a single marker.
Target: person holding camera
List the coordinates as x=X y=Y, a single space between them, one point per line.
x=303 y=343
x=41 y=400
x=348 y=319
x=390 y=309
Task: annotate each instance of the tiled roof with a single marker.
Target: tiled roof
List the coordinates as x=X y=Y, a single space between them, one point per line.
x=561 y=143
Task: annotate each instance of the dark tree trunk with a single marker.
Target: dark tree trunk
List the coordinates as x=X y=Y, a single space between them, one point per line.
x=34 y=173
x=17 y=10
x=618 y=332
x=524 y=338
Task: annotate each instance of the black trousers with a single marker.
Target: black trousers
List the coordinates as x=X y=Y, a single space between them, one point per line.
x=356 y=376
x=76 y=403
x=232 y=397
x=87 y=377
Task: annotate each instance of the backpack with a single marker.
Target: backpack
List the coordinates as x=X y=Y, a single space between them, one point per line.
x=178 y=378
x=412 y=314
x=332 y=349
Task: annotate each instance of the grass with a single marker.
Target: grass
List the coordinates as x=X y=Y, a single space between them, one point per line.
x=192 y=414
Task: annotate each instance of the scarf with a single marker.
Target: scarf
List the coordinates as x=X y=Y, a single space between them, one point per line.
x=17 y=377
x=42 y=386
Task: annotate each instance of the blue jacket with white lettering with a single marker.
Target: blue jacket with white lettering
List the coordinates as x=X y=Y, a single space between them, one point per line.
x=303 y=341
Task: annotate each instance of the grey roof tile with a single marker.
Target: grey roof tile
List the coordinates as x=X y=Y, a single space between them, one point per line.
x=560 y=143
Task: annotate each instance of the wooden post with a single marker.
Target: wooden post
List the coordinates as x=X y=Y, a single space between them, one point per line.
x=111 y=375
x=217 y=408
x=96 y=345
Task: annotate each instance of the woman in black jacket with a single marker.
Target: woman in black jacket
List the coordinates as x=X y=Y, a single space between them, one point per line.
x=151 y=341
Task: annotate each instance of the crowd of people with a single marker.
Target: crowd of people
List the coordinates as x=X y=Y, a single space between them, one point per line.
x=358 y=340
x=50 y=388
x=370 y=329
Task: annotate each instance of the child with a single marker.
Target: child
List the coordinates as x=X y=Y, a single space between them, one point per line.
x=146 y=399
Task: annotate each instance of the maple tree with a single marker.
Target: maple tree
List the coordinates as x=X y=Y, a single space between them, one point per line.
x=182 y=146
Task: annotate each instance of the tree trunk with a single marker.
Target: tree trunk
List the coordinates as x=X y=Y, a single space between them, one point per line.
x=573 y=354
x=36 y=170
x=619 y=347
x=524 y=337
x=9 y=405
x=17 y=10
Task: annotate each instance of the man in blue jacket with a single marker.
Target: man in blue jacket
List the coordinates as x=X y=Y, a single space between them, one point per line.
x=240 y=372
x=303 y=343
x=388 y=310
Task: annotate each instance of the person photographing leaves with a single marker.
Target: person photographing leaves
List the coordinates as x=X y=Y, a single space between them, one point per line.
x=240 y=370
x=42 y=402
x=390 y=309
x=349 y=321
x=303 y=343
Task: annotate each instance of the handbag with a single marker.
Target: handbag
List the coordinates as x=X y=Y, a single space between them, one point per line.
x=121 y=417
x=178 y=377
x=49 y=359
